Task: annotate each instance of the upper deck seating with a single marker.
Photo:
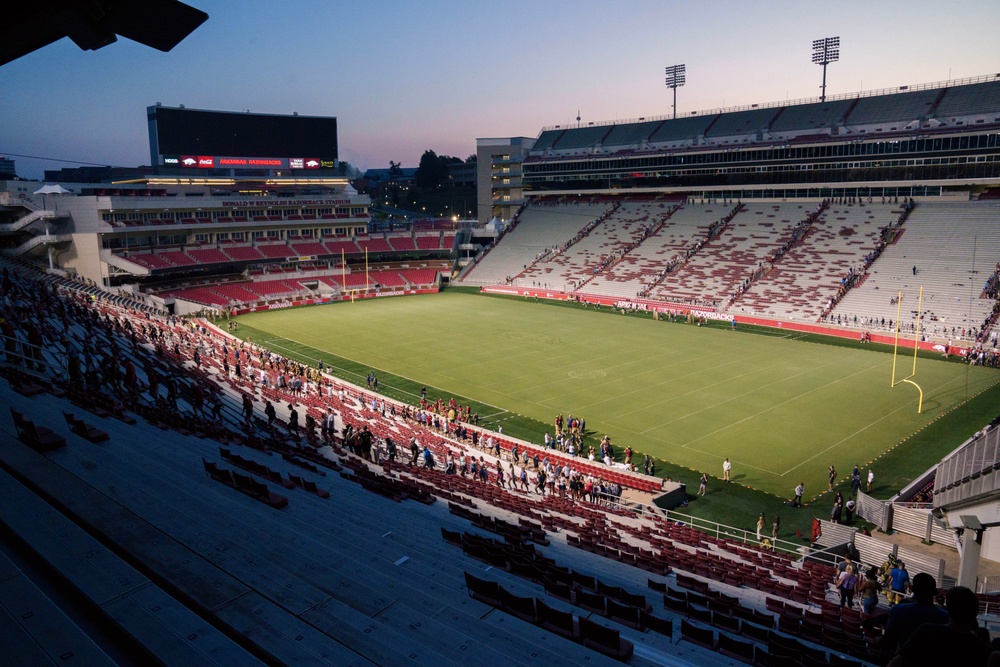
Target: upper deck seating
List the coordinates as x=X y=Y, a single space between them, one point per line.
x=208 y=256
x=276 y=250
x=243 y=253
x=972 y=100
x=896 y=108
x=815 y=116
x=402 y=243
x=149 y=260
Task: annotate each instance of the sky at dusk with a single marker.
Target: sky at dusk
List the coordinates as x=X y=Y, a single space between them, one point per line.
x=403 y=77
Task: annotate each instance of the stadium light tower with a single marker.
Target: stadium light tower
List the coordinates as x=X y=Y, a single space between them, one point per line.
x=675 y=78
x=826 y=51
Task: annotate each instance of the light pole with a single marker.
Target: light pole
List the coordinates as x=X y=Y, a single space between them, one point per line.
x=826 y=51
x=675 y=78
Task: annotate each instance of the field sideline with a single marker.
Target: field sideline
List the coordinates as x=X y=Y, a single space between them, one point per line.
x=781 y=409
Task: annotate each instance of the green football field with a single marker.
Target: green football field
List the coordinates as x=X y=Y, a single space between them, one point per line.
x=781 y=408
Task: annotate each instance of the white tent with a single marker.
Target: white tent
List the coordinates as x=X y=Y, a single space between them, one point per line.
x=53 y=190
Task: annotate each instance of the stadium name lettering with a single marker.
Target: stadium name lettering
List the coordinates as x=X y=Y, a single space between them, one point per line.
x=394 y=293
x=286 y=202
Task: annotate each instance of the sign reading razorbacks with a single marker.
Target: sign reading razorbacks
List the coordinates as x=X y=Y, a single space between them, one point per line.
x=711 y=315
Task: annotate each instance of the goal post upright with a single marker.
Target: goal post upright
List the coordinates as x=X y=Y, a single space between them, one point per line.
x=916 y=346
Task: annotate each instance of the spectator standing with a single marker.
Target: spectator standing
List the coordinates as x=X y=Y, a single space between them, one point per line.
x=727 y=467
x=704 y=484
x=871 y=479
x=761 y=522
x=868 y=590
x=833 y=477
x=846 y=584
x=799 y=491
x=775 y=526
x=899 y=583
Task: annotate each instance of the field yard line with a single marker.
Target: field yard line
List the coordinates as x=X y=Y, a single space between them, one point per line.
x=776 y=405
x=724 y=381
x=502 y=410
x=837 y=444
x=670 y=442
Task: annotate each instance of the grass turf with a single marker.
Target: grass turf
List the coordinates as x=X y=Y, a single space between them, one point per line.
x=782 y=409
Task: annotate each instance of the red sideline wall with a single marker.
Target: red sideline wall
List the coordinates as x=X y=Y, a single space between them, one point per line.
x=709 y=313
x=311 y=302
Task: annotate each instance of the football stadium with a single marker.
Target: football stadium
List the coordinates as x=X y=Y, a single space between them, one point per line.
x=680 y=382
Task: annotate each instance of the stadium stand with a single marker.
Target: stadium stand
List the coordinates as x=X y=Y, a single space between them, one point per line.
x=547 y=139
x=336 y=248
x=807 y=277
x=714 y=273
x=276 y=250
x=741 y=123
x=308 y=248
x=631 y=134
x=681 y=129
x=581 y=137
x=148 y=260
x=541 y=229
x=884 y=109
x=244 y=253
x=208 y=256
x=952 y=246
x=976 y=100
x=402 y=243
x=235 y=516
x=811 y=117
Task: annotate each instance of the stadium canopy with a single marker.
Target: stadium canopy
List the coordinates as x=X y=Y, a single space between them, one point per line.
x=160 y=24
x=53 y=190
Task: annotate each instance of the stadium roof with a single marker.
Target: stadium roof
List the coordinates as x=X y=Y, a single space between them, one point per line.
x=92 y=24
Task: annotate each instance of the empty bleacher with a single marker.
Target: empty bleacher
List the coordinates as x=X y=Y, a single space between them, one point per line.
x=972 y=100
x=208 y=256
x=713 y=273
x=276 y=250
x=148 y=260
x=954 y=247
x=541 y=227
x=679 y=129
x=883 y=109
x=741 y=123
x=808 y=276
x=305 y=248
x=243 y=253
x=630 y=134
x=805 y=117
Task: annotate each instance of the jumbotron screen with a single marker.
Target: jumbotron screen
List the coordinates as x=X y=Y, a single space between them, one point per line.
x=265 y=140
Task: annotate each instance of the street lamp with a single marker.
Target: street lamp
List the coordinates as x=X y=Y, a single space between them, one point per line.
x=825 y=51
x=675 y=78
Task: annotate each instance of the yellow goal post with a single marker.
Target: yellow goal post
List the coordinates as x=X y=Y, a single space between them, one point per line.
x=916 y=346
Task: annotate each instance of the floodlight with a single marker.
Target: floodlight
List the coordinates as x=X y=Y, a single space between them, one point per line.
x=675 y=77
x=825 y=51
